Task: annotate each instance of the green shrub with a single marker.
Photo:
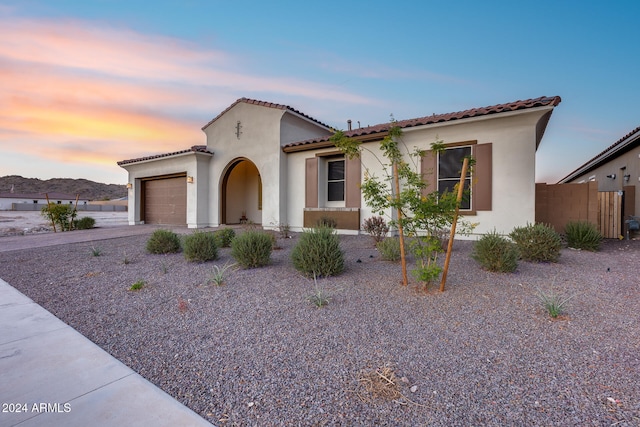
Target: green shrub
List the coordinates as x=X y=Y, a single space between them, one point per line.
x=318 y=253
x=376 y=227
x=163 y=242
x=496 y=253
x=200 y=247
x=327 y=221
x=582 y=235
x=85 y=223
x=137 y=285
x=425 y=249
x=537 y=242
x=225 y=236
x=252 y=249
x=389 y=248
x=62 y=216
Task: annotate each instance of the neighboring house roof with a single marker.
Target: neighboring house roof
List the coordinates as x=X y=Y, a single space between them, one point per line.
x=36 y=196
x=621 y=146
x=195 y=149
x=543 y=101
x=266 y=104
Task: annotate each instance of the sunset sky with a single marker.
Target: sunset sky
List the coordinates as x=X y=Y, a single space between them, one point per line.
x=84 y=84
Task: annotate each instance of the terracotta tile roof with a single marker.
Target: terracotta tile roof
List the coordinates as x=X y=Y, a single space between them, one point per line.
x=437 y=118
x=265 y=104
x=621 y=146
x=195 y=149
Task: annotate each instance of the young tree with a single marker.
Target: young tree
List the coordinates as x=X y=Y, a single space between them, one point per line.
x=420 y=215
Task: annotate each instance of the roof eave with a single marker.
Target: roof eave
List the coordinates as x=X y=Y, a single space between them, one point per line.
x=125 y=163
x=602 y=158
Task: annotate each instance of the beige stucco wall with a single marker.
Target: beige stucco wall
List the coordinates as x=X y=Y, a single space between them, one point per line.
x=263 y=131
x=193 y=164
x=513 y=136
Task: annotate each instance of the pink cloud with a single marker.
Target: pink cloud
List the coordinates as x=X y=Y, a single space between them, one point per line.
x=85 y=93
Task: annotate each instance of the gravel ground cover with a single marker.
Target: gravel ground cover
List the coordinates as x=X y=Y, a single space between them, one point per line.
x=254 y=351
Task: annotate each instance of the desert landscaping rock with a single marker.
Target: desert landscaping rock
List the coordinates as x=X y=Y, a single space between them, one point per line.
x=254 y=351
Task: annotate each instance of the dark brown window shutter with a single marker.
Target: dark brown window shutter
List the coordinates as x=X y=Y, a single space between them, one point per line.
x=352 y=183
x=429 y=170
x=482 y=177
x=311 y=183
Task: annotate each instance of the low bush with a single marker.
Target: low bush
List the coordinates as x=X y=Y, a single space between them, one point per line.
x=85 y=223
x=318 y=253
x=376 y=227
x=582 y=235
x=201 y=246
x=137 y=286
x=496 y=253
x=426 y=249
x=537 y=242
x=326 y=221
x=163 y=242
x=252 y=249
x=389 y=248
x=62 y=216
x=224 y=237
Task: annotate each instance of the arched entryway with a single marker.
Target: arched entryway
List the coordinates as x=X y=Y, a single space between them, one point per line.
x=241 y=193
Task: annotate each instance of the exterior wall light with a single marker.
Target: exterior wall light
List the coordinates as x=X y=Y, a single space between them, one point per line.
x=612 y=176
x=129 y=186
x=627 y=177
x=190 y=179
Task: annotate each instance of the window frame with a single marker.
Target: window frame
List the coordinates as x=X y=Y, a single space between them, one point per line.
x=329 y=161
x=468 y=179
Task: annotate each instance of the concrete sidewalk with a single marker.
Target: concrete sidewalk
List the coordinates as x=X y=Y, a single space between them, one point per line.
x=51 y=375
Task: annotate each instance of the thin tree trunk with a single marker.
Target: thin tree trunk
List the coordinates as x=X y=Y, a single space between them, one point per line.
x=50 y=214
x=463 y=175
x=403 y=258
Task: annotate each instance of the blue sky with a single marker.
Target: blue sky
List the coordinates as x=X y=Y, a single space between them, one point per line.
x=84 y=84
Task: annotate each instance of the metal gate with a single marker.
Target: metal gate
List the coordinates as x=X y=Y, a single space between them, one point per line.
x=610 y=214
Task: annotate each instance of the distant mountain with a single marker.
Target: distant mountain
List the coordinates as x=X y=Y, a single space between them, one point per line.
x=86 y=189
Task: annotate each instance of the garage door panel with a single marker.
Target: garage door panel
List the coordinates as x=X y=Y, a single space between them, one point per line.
x=165 y=201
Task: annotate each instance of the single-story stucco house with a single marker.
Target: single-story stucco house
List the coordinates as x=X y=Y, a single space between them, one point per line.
x=617 y=168
x=273 y=165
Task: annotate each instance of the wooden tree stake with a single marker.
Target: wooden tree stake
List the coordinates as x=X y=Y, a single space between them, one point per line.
x=463 y=175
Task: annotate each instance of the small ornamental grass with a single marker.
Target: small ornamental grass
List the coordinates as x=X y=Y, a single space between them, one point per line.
x=200 y=247
x=163 y=242
x=319 y=297
x=537 y=242
x=582 y=235
x=553 y=303
x=389 y=248
x=224 y=237
x=252 y=249
x=318 y=253
x=218 y=274
x=496 y=253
